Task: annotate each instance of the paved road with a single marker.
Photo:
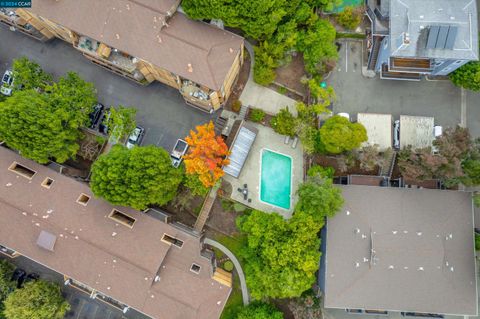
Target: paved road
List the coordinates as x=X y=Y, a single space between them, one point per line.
x=356 y=93
x=161 y=109
x=238 y=267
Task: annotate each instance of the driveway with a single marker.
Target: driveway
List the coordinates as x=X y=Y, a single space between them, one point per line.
x=161 y=109
x=82 y=307
x=356 y=93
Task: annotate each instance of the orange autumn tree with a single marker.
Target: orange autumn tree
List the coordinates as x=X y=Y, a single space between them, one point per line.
x=206 y=154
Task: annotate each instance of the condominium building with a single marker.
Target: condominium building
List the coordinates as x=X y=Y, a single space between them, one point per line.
x=412 y=38
x=142 y=40
x=126 y=258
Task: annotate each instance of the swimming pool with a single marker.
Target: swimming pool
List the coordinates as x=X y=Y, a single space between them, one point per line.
x=345 y=3
x=276 y=179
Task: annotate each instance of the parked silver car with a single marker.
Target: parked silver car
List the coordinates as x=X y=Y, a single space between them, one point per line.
x=135 y=138
x=178 y=151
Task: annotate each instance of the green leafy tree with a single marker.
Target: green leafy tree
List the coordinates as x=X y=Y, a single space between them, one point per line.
x=284 y=122
x=327 y=5
x=29 y=75
x=40 y=130
x=258 y=19
x=350 y=17
x=138 y=177
x=281 y=257
x=75 y=97
x=318 y=197
x=323 y=96
x=121 y=123
x=317 y=44
x=467 y=76
x=324 y=172
x=36 y=300
x=259 y=310
x=6 y=285
x=338 y=135
x=194 y=184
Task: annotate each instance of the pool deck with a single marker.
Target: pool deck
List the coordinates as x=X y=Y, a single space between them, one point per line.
x=250 y=175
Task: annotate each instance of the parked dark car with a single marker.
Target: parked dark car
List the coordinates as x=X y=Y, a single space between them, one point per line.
x=32 y=277
x=94 y=116
x=102 y=127
x=19 y=276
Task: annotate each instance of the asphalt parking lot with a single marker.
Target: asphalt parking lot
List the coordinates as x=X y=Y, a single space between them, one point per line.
x=356 y=93
x=160 y=109
x=82 y=307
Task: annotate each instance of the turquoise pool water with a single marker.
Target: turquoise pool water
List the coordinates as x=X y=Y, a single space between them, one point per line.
x=276 y=179
x=345 y=3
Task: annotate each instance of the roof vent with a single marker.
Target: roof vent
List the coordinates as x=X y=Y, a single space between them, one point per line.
x=190 y=68
x=420 y=268
x=46 y=240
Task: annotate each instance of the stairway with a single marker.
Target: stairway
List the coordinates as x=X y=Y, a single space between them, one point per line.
x=205 y=211
x=372 y=59
x=220 y=123
x=243 y=112
x=387 y=170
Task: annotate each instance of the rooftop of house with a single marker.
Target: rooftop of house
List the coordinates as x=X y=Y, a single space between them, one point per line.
x=443 y=29
x=59 y=223
x=401 y=249
x=416 y=131
x=379 y=129
x=194 y=50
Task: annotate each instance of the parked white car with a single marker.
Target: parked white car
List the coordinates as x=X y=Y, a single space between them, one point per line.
x=345 y=115
x=135 y=138
x=6 y=87
x=178 y=151
x=437 y=132
x=396 y=134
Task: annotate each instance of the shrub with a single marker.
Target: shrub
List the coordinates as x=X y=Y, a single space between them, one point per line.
x=228 y=265
x=477 y=241
x=350 y=18
x=263 y=75
x=236 y=106
x=467 y=76
x=324 y=172
x=338 y=135
x=284 y=122
x=257 y=115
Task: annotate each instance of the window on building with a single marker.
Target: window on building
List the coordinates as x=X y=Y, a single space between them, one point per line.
x=47 y=182
x=172 y=240
x=195 y=268
x=122 y=218
x=83 y=199
x=22 y=170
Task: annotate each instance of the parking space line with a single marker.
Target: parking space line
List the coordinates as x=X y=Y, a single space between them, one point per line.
x=346 y=56
x=80 y=309
x=160 y=139
x=463 y=109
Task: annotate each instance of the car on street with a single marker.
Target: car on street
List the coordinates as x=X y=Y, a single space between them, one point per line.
x=19 y=276
x=345 y=115
x=135 y=138
x=102 y=127
x=95 y=114
x=178 y=151
x=396 y=134
x=6 y=87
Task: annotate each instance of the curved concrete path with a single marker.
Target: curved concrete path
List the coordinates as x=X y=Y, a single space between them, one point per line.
x=238 y=267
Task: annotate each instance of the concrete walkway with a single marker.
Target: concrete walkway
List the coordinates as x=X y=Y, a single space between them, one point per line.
x=258 y=96
x=238 y=267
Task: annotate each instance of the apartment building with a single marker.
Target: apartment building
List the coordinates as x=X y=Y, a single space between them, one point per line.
x=401 y=252
x=144 y=41
x=412 y=38
x=120 y=256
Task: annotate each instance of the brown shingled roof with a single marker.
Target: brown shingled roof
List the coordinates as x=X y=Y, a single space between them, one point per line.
x=138 y=28
x=112 y=258
x=402 y=250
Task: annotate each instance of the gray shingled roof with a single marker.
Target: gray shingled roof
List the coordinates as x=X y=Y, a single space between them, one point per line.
x=417 y=17
x=402 y=249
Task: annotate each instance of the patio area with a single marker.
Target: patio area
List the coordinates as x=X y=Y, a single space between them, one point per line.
x=251 y=172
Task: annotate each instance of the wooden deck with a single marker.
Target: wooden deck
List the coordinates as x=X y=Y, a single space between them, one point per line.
x=410 y=64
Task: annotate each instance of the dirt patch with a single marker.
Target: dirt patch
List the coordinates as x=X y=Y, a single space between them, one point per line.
x=332 y=161
x=290 y=75
x=222 y=221
x=240 y=83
